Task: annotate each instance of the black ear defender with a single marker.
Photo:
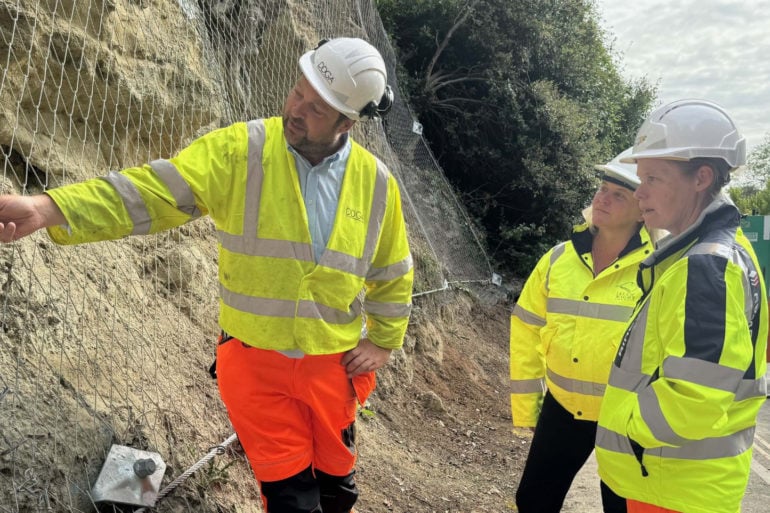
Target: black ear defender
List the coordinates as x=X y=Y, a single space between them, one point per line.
x=378 y=110
x=321 y=43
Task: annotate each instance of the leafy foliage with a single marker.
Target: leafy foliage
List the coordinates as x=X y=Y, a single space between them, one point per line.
x=518 y=100
x=751 y=189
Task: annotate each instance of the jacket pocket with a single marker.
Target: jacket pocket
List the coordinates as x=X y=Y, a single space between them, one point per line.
x=638 y=451
x=363 y=385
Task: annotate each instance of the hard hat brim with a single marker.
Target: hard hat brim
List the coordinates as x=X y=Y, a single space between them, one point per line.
x=619 y=175
x=665 y=154
x=685 y=155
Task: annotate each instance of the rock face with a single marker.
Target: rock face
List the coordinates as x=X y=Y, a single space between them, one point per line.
x=110 y=343
x=92 y=86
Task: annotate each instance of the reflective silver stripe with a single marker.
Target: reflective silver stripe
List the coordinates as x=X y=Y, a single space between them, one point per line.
x=528 y=386
x=344 y=262
x=294 y=354
x=254 y=177
x=392 y=271
x=179 y=188
x=257 y=305
x=712 y=448
x=312 y=310
x=627 y=380
x=706 y=449
x=285 y=308
x=612 y=441
x=751 y=388
x=555 y=254
x=254 y=246
x=387 y=309
x=576 y=385
x=695 y=371
x=133 y=202
x=377 y=214
x=590 y=310
x=711 y=248
x=652 y=414
x=703 y=373
x=527 y=317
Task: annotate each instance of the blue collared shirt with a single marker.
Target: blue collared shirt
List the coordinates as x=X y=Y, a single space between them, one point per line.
x=320 y=186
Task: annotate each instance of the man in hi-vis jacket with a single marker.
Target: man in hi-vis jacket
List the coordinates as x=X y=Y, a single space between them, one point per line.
x=306 y=219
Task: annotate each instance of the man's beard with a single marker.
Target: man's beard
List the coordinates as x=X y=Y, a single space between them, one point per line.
x=302 y=144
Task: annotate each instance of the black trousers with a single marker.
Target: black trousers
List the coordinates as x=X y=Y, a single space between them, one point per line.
x=310 y=492
x=560 y=447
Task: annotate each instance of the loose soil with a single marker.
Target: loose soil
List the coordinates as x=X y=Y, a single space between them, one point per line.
x=435 y=437
x=444 y=443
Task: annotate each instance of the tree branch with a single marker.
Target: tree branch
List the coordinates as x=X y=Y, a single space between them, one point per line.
x=458 y=21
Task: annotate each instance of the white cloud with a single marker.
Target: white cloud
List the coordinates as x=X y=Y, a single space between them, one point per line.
x=713 y=49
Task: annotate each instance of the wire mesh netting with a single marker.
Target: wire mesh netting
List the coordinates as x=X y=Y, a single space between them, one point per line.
x=108 y=343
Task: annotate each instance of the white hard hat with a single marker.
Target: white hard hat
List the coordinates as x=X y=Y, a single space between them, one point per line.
x=619 y=172
x=348 y=73
x=688 y=129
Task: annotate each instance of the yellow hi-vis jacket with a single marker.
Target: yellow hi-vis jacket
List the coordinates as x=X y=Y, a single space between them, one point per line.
x=677 y=423
x=567 y=324
x=272 y=293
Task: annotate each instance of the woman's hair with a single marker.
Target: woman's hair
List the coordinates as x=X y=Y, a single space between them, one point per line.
x=720 y=168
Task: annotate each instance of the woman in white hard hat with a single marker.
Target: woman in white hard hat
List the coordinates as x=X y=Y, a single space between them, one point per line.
x=677 y=422
x=565 y=330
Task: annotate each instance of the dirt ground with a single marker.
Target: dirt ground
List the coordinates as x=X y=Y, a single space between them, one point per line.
x=436 y=435
x=439 y=438
x=445 y=443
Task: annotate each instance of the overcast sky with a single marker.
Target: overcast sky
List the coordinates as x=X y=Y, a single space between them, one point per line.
x=718 y=50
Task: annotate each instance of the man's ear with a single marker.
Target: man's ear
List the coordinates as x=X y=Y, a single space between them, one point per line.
x=704 y=177
x=346 y=124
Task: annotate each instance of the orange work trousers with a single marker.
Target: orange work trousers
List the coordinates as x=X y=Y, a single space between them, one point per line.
x=291 y=413
x=643 y=507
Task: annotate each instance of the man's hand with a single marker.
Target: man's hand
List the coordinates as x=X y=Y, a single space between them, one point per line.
x=22 y=215
x=366 y=357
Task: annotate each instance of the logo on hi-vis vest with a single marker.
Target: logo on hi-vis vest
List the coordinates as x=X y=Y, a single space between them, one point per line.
x=356 y=215
x=325 y=72
x=625 y=292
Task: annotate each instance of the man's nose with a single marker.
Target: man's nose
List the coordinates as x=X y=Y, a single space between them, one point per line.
x=298 y=110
